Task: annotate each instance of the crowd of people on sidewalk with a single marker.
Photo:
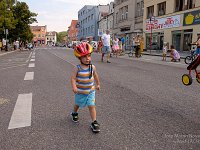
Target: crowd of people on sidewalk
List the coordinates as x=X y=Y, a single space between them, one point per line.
x=15 y=45
x=115 y=45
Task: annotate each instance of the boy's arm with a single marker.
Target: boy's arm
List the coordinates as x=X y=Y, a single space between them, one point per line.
x=96 y=78
x=73 y=80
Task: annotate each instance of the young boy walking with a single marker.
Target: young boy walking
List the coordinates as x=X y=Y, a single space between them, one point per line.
x=82 y=81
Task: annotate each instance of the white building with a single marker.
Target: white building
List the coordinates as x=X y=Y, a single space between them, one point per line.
x=51 y=38
x=106 y=19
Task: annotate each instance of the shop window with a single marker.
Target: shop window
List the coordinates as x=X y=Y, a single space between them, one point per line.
x=150 y=11
x=162 y=9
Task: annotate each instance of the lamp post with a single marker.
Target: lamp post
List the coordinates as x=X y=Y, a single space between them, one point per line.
x=152 y=18
x=5 y=28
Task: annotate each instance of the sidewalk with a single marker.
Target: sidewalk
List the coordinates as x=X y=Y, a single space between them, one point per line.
x=159 y=53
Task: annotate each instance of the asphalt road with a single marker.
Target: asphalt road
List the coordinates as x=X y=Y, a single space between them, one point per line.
x=142 y=105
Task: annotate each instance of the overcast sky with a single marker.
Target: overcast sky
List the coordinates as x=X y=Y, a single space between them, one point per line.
x=57 y=14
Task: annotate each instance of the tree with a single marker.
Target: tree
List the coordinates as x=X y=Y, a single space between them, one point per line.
x=7 y=20
x=24 y=18
x=61 y=36
x=17 y=20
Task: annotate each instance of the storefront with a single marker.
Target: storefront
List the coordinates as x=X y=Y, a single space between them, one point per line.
x=181 y=39
x=157 y=30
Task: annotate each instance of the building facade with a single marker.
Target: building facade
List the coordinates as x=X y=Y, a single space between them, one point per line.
x=88 y=21
x=39 y=35
x=128 y=19
x=51 y=38
x=172 y=21
x=73 y=31
x=106 y=20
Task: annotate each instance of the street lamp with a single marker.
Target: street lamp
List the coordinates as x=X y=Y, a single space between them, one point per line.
x=152 y=18
x=5 y=29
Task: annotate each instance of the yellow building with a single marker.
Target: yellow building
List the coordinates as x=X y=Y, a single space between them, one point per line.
x=172 y=21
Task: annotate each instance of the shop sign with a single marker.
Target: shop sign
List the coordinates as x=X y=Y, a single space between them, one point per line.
x=163 y=23
x=191 y=18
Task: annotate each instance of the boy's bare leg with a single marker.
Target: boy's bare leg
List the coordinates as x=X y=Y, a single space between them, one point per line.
x=92 y=110
x=108 y=56
x=76 y=107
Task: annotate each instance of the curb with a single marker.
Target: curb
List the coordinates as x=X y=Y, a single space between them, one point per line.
x=5 y=53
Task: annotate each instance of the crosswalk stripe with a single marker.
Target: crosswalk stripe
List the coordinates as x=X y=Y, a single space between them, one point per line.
x=31 y=65
x=32 y=60
x=29 y=76
x=21 y=116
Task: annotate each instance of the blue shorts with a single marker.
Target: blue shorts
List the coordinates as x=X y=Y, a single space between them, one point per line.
x=83 y=100
x=106 y=49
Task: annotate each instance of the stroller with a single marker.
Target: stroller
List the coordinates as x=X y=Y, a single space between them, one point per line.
x=187 y=78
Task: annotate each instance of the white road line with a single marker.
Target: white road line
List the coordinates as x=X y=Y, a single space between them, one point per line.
x=29 y=76
x=31 y=65
x=21 y=116
x=32 y=60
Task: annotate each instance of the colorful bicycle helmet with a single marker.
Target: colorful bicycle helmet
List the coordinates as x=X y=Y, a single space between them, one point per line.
x=82 y=49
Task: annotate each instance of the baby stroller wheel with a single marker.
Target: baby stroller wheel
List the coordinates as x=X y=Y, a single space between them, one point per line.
x=198 y=77
x=187 y=79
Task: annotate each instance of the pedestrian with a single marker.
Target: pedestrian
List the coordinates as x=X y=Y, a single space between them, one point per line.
x=115 y=46
x=174 y=54
x=164 y=51
x=123 y=43
x=106 y=45
x=82 y=81
x=100 y=45
x=141 y=46
x=137 y=46
x=1 y=45
x=197 y=51
x=133 y=45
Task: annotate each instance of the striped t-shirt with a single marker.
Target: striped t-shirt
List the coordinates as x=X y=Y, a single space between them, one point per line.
x=84 y=83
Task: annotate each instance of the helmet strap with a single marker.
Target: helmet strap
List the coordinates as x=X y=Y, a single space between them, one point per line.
x=90 y=68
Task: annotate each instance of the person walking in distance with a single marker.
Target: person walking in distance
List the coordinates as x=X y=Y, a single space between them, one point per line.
x=83 y=84
x=106 y=45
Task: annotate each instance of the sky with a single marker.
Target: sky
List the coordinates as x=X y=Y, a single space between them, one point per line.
x=57 y=14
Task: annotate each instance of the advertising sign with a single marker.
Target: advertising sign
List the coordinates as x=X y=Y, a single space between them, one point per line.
x=163 y=23
x=191 y=18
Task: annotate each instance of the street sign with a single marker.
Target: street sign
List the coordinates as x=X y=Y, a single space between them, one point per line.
x=5 y=31
x=152 y=18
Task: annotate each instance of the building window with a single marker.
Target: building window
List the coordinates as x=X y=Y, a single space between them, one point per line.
x=38 y=35
x=92 y=17
x=161 y=9
x=150 y=11
x=126 y=12
x=116 y=17
x=181 y=5
x=139 y=9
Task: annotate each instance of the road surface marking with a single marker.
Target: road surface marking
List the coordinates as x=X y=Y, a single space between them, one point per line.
x=21 y=116
x=29 y=76
x=31 y=65
x=32 y=60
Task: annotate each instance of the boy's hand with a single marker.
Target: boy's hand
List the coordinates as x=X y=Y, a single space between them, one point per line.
x=98 y=87
x=75 y=89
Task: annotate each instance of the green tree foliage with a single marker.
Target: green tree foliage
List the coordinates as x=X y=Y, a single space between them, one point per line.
x=19 y=20
x=61 y=36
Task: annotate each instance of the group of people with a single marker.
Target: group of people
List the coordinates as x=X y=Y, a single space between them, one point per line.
x=116 y=45
x=174 y=54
